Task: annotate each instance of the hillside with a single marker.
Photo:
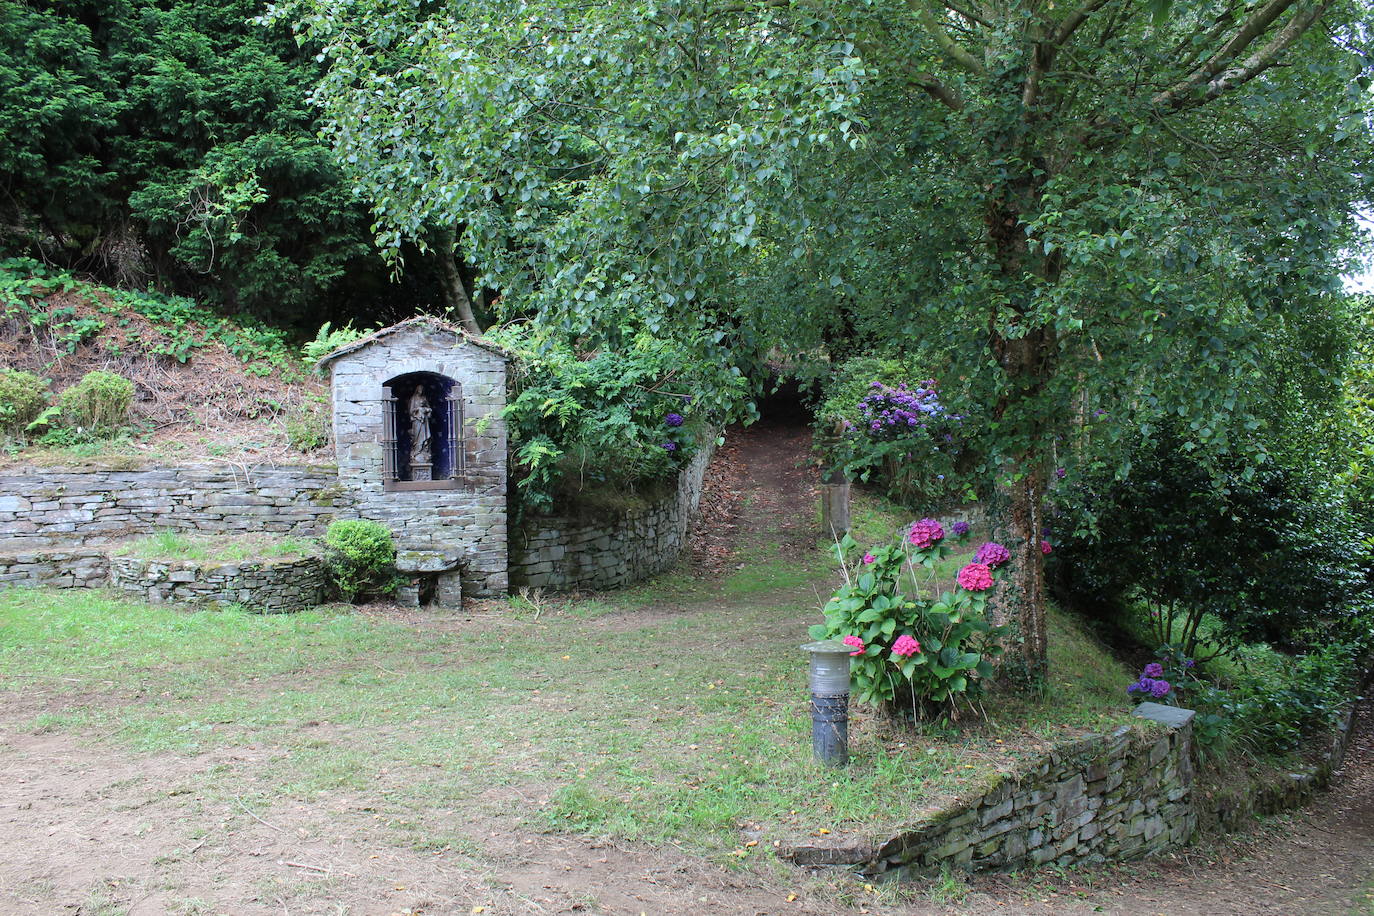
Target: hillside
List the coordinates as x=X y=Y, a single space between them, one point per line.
x=205 y=387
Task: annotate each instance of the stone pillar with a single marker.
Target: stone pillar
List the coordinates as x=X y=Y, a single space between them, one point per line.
x=448 y=590
x=834 y=504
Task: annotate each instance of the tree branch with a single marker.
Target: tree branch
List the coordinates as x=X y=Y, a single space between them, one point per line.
x=945 y=95
x=1074 y=20
x=1185 y=94
x=1253 y=27
x=951 y=48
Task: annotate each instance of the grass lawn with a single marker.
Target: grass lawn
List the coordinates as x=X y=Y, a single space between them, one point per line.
x=669 y=715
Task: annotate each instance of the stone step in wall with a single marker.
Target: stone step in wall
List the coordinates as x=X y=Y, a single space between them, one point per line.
x=67 y=507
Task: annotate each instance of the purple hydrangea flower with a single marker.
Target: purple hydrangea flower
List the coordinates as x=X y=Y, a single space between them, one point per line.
x=1188 y=663
x=673 y=419
x=670 y=446
x=1060 y=473
x=1154 y=669
x=1160 y=689
x=960 y=529
x=993 y=554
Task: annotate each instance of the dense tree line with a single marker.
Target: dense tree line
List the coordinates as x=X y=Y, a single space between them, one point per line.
x=173 y=144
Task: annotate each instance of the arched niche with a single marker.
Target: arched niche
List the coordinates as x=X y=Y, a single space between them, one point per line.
x=422 y=439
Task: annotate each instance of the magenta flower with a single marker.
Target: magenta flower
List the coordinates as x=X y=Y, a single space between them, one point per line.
x=925 y=533
x=993 y=554
x=1045 y=548
x=869 y=558
x=905 y=646
x=856 y=643
x=975 y=577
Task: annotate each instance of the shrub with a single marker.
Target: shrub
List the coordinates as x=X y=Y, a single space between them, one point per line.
x=23 y=396
x=361 y=558
x=327 y=341
x=615 y=420
x=915 y=653
x=1216 y=551
x=99 y=402
x=881 y=428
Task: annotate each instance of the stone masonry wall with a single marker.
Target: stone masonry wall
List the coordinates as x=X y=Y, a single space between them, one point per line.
x=562 y=554
x=1104 y=797
x=276 y=584
x=55 y=567
x=436 y=530
x=66 y=507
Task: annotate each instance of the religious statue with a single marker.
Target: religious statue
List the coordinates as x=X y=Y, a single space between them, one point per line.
x=420 y=415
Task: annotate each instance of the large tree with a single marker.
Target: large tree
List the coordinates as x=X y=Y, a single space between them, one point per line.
x=1104 y=205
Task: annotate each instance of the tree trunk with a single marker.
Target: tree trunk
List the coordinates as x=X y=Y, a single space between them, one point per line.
x=1016 y=517
x=455 y=294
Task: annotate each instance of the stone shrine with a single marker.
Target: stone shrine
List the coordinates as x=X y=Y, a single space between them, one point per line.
x=421 y=448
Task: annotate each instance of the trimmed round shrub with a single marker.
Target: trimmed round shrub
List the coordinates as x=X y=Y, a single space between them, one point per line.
x=99 y=402
x=23 y=396
x=360 y=557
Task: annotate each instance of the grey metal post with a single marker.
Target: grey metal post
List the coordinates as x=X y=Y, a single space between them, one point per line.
x=828 y=675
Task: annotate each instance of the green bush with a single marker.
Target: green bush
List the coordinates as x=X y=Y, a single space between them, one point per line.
x=883 y=422
x=99 y=402
x=1217 y=552
x=23 y=396
x=361 y=558
x=616 y=420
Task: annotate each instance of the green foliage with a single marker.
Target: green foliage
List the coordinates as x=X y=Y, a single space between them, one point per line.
x=99 y=402
x=178 y=325
x=361 y=558
x=307 y=424
x=1268 y=556
x=581 y=422
x=1267 y=703
x=918 y=449
x=328 y=339
x=174 y=143
x=881 y=602
x=23 y=396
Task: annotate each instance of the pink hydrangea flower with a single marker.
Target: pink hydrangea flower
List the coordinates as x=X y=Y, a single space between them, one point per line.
x=869 y=558
x=1045 y=548
x=905 y=646
x=856 y=643
x=925 y=532
x=993 y=554
x=975 y=577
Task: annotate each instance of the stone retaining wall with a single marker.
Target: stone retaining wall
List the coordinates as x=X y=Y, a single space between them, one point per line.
x=562 y=553
x=1104 y=797
x=55 y=567
x=42 y=507
x=272 y=584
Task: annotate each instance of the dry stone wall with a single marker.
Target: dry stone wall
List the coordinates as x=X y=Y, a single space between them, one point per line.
x=41 y=507
x=274 y=584
x=1112 y=797
x=55 y=567
x=563 y=554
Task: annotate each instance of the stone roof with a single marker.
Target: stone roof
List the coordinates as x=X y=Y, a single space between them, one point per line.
x=428 y=322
